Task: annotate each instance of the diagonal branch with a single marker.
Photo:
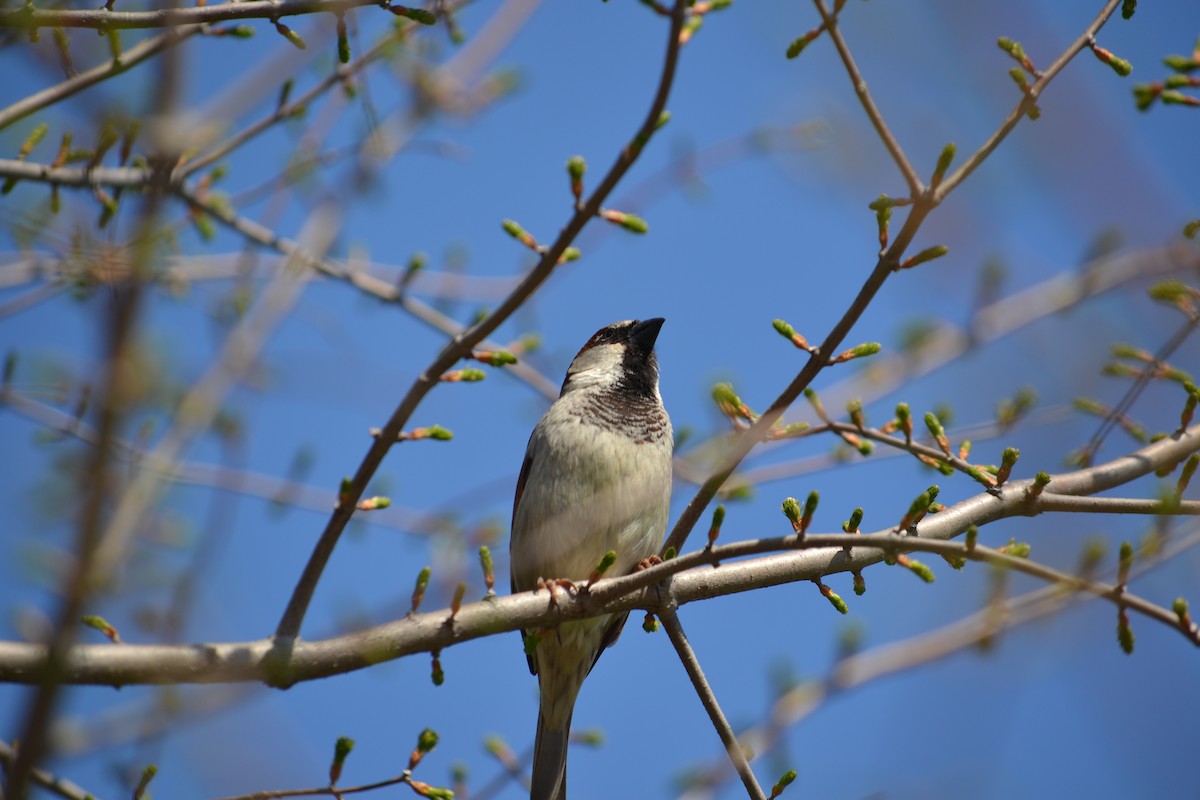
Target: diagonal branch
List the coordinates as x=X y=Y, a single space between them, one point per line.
x=691 y=664
x=129 y=58
x=915 y=187
x=1028 y=101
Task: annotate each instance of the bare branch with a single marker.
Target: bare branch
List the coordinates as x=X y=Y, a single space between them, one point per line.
x=1028 y=100
x=691 y=664
x=915 y=187
x=103 y=19
x=129 y=58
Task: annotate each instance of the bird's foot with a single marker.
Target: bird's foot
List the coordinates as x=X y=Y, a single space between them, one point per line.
x=647 y=563
x=552 y=586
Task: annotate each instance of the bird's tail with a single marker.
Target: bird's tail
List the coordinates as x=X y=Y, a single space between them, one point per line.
x=550 y=760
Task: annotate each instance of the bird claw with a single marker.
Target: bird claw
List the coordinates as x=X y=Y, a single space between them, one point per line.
x=647 y=563
x=552 y=586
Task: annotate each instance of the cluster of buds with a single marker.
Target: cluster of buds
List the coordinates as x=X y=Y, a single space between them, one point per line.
x=801 y=518
x=1168 y=91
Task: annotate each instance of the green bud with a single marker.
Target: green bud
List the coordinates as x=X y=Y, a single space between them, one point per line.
x=1016 y=549
x=1127 y=8
x=576 y=167
x=784 y=781
x=427 y=740
x=1169 y=291
x=1120 y=66
x=634 y=224
x=471 y=375
x=1185 y=475
x=513 y=229
x=148 y=774
x=343 y=41
x=662 y=120
x=836 y=601
x=31 y=141
x=972 y=537
x=569 y=255
x=419 y=590
x=606 y=561
x=101 y=624
x=785 y=330
x=860 y=584
x=439 y=433
x=1180 y=607
x=296 y=39
x=921 y=570
x=945 y=158
x=797 y=46
x=791 y=510
x=928 y=254
x=865 y=349
x=650 y=624
x=935 y=425
x=902 y=413
x=851 y=525
x=437 y=674
x=1125 y=635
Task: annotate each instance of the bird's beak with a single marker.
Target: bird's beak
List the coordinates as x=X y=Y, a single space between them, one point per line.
x=646 y=332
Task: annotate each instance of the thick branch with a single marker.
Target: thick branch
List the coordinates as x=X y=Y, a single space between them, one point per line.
x=694 y=579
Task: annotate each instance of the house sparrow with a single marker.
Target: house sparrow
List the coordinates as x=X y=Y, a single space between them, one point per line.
x=596 y=477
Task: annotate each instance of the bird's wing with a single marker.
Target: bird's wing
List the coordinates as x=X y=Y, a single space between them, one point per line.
x=524 y=476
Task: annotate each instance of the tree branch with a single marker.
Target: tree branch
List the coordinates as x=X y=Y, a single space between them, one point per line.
x=129 y=58
x=28 y=17
x=915 y=187
x=691 y=664
x=694 y=578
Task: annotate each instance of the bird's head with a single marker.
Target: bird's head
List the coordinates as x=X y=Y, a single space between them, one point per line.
x=619 y=357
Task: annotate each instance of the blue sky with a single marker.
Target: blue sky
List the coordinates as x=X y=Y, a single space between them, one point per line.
x=1055 y=709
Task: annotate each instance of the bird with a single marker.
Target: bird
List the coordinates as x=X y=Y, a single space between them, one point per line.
x=596 y=478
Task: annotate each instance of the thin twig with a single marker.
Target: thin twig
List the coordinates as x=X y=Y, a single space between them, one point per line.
x=691 y=664
x=129 y=58
x=59 y=786
x=1028 y=100
x=885 y=134
x=28 y=17
x=1127 y=400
